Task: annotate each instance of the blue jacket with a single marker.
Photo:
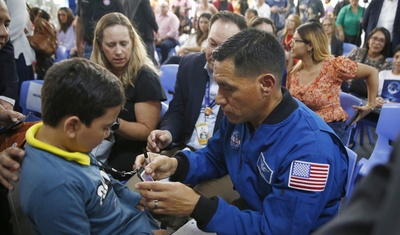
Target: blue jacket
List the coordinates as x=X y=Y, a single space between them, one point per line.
x=262 y=165
x=66 y=193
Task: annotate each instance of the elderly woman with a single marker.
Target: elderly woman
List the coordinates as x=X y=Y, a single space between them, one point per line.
x=317 y=77
x=119 y=48
x=374 y=54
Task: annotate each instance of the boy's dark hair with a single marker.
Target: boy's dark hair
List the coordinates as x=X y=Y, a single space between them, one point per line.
x=228 y=16
x=253 y=52
x=79 y=87
x=397 y=49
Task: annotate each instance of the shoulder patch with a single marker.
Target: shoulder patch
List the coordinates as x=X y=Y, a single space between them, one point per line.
x=308 y=176
x=265 y=171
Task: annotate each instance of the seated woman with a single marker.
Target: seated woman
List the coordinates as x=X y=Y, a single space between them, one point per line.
x=335 y=44
x=317 y=77
x=66 y=29
x=389 y=82
x=374 y=54
x=263 y=23
x=203 y=6
x=195 y=42
x=250 y=14
x=119 y=48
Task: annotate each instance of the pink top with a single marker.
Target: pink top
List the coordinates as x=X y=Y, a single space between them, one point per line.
x=168 y=25
x=323 y=95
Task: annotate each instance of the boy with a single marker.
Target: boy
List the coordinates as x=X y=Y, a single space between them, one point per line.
x=63 y=189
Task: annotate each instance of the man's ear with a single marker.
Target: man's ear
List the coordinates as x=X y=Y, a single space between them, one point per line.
x=72 y=125
x=267 y=82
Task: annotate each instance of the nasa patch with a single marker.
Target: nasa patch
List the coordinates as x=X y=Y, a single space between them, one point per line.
x=235 y=140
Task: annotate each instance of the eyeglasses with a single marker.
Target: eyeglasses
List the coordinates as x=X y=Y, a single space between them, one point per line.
x=294 y=40
x=379 y=40
x=326 y=25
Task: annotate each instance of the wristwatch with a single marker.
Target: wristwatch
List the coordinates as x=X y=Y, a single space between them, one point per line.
x=115 y=125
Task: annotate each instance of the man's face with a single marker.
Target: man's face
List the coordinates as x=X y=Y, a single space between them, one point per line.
x=220 y=31
x=240 y=98
x=164 y=8
x=4 y=24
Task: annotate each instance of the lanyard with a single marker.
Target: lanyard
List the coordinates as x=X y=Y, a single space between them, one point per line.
x=208 y=108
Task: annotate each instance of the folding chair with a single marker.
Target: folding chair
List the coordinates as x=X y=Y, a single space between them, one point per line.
x=29 y=99
x=62 y=53
x=347 y=101
x=347 y=48
x=388 y=129
x=168 y=79
x=352 y=173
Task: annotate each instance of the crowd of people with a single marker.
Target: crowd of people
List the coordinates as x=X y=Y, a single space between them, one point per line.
x=255 y=113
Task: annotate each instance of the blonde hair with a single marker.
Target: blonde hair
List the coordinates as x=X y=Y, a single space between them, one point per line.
x=297 y=23
x=314 y=34
x=139 y=57
x=333 y=22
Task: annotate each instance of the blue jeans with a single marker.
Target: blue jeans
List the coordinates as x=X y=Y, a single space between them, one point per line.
x=339 y=128
x=165 y=46
x=87 y=51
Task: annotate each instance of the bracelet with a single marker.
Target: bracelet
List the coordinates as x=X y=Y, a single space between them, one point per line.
x=370 y=106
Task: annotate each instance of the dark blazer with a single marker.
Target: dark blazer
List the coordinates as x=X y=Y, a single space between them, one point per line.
x=8 y=72
x=374 y=207
x=371 y=17
x=336 y=46
x=185 y=106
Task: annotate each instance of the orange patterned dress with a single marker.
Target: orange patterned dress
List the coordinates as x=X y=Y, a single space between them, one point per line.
x=323 y=95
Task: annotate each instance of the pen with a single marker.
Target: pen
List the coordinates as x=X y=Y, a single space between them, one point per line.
x=146 y=156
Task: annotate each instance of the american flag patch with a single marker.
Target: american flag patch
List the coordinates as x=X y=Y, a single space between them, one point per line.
x=308 y=176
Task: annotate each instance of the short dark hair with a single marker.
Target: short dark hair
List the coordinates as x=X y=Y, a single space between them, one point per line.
x=253 y=52
x=396 y=49
x=228 y=16
x=79 y=87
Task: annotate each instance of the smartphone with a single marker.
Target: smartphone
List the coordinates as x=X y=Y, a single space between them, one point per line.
x=14 y=125
x=352 y=119
x=143 y=176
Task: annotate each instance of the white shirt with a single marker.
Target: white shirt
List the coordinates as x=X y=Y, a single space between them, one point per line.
x=386 y=75
x=19 y=21
x=387 y=15
x=211 y=119
x=263 y=11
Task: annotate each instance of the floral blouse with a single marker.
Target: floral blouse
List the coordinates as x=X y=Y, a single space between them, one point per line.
x=323 y=95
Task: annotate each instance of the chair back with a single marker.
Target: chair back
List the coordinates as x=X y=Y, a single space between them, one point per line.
x=347 y=48
x=62 y=53
x=168 y=79
x=351 y=174
x=29 y=99
x=387 y=129
x=347 y=101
